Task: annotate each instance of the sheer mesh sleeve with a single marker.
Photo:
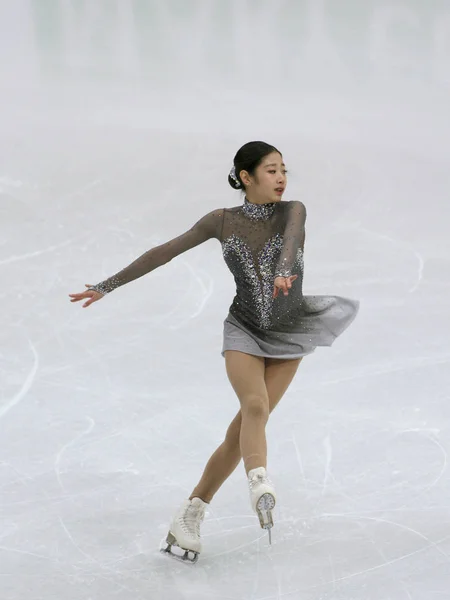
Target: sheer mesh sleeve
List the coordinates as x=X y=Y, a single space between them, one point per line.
x=207 y=227
x=293 y=238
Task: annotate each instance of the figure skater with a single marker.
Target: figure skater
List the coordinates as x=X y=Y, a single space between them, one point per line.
x=270 y=327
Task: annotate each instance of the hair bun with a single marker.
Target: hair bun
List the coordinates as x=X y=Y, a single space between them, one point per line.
x=248 y=158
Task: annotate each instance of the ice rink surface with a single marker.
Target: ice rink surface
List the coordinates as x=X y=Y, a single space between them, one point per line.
x=119 y=121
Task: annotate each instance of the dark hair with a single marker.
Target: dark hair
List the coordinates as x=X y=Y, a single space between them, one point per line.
x=248 y=158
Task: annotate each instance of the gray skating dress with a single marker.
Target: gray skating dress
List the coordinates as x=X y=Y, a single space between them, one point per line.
x=259 y=242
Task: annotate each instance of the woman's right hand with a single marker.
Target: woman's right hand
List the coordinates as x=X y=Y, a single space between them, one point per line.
x=90 y=294
x=284 y=284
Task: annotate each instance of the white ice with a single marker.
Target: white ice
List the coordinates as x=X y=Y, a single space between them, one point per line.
x=119 y=121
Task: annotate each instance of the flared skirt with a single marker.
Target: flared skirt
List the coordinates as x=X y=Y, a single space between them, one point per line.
x=322 y=320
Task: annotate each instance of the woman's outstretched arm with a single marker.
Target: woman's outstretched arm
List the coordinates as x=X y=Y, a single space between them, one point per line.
x=207 y=227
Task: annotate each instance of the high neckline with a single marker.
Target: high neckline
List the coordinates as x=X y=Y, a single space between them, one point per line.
x=258 y=212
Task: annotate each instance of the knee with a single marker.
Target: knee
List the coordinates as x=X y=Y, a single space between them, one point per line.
x=255 y=407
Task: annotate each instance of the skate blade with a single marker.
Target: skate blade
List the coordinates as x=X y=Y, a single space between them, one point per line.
x=169 y=546
x=264 y=508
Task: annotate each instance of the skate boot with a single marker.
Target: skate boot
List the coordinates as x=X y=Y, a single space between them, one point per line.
x=262 y=497
x=183 y=540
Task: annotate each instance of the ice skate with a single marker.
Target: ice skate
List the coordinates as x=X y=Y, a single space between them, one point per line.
x=262 y=497
x=183 y=540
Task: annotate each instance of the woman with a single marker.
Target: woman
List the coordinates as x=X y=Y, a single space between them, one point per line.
x=270 y=327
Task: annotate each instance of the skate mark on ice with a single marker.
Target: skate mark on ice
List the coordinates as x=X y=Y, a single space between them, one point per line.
x=94 y=561
x=333 y=572
x=23 y=478
x=420 y=273
x=12 y=259
x=433 y=484
x=328 y=457
x=369 y=570
x=328 y=473
x=406 y=246
x=239 y=547
x=110 y=390
x=13 y=528
x=81 y=190
x=27 y=384
x=299 y=458
x=8 y=182
x=374 y=511
x=275 y=573
x=381 y=554
x=430 y=542
x=202 y=288
x=413 y=492
x=379 y=369
x=206 y=288
x=233 y=529
x=65 y=447
x=257 y=577
x=35 y=555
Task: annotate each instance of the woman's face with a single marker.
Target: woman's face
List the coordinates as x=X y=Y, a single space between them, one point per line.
x=269 y=180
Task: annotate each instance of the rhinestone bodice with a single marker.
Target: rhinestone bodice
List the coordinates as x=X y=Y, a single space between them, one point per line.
x=252 y=245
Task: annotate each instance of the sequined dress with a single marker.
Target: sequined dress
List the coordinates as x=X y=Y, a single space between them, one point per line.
x=259 y=242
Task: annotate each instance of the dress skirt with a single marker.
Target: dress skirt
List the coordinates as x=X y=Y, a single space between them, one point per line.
x=322 y=320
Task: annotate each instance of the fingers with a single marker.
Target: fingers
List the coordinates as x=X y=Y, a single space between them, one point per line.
x=283 y=283
x=89 y=294
x=289 y=280
x=280 y=284
x=77 y=297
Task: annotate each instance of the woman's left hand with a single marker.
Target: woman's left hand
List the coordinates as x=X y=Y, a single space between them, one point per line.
x=283 y=283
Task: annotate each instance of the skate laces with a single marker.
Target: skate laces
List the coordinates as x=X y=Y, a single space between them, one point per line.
x=191 y=518
x=258 y=478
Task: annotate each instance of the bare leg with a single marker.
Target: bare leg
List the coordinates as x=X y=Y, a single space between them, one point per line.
x=278 y=375
x=246 y=375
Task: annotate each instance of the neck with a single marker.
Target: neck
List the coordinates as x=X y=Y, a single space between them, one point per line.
x=257 y=199
x=261 y=211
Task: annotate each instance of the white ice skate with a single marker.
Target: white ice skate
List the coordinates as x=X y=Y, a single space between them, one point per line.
x=183 y=540
x=262 y=497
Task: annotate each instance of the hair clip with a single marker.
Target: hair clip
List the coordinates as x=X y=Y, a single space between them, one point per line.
x=233 y=176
